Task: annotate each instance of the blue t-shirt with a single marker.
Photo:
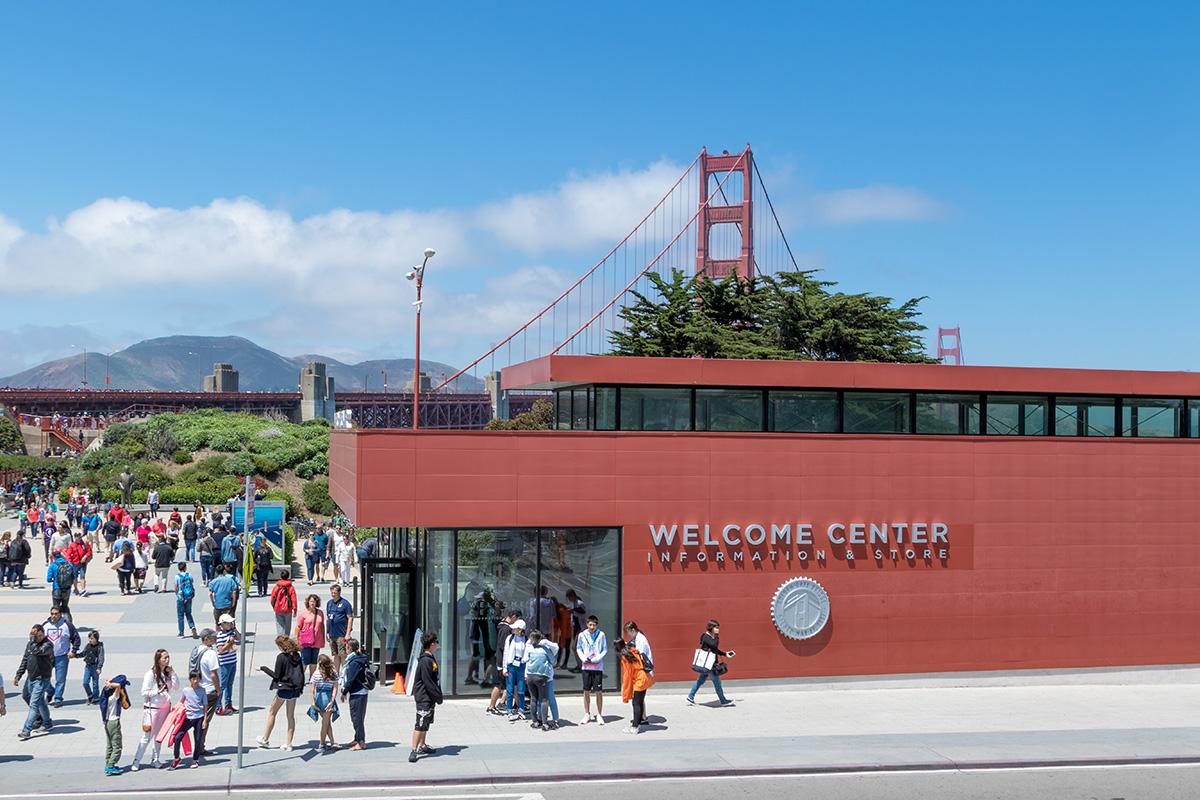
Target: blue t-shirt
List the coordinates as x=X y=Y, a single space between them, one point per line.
x=320 y=545
x=91 y=522
x=222 y=588
x=336 y=614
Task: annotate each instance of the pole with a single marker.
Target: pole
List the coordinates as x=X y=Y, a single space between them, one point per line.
x=245 y=602
x=85 y=366
x=417 y=365
x=106 y=370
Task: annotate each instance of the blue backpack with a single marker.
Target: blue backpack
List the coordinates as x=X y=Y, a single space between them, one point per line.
x=187 y=589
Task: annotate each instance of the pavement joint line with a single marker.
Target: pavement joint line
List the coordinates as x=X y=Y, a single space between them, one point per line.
x=232 y=786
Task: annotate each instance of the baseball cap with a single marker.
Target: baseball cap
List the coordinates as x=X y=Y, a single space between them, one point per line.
x=518 y=625
x=225 y=618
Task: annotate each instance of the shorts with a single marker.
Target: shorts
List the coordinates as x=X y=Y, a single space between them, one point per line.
x=288 y=694
x=81 y=571
x=424 y=716
x=308 y=655
x=337 y=646
x=593 y=680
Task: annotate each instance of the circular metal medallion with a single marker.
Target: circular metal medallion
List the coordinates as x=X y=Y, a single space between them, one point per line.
x=800 y=608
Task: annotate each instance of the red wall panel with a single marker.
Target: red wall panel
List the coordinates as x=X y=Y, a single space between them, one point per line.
x=1062 y=552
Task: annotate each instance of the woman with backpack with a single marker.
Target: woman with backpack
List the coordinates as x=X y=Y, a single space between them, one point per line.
x=707 y=662
x=262 y=565
x=206 y=548
x=283 y=603
x=185 y=592
x=356 y=682
x=124 y=563
x=287 y=680
x=310 y=632
x=157 y=686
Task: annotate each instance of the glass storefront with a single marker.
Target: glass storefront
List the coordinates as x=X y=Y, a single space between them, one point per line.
x=466 y=578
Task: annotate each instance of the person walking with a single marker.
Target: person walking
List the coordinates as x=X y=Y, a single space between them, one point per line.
x=204 y=661
x=124 y=563
x=231 y=553
x=324 y=704
x=287 y=681
x=194 y=722
x=708 y=663
x=19 y=553
x=539 y=672
x=191 y=533
x=64 y=638
x=344 y=553
x=158 y=684
x=79 y=554
x=38 y=662
x=141 y=562
x=321 y=552
x=356 y=682
x=163 y=554
x=310 y=632
x=206 y=547
x=591 y=648
x=339 y=621
x=227 y=643
x=113 y=701
x=185 y=593
x=284 y=603
x=61 y=577
x=635 y=682
x=93 y=662
x=223 y=591
x=427 y=693
x=262 y=565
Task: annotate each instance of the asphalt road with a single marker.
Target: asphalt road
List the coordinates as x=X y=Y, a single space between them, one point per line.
x=1108 y=783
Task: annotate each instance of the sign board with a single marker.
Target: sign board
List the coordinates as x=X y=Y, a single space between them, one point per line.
x=266 y=518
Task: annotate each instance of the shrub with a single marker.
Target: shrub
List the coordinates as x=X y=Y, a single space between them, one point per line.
x=317 y=500
x=540 y=417
x=11 y=440
x=226 y=441
x=36 y=465
x=317 y=465
x=240 y=464
x=289 y=544
x=265 y=465
x=291 y=507
x=181 y=456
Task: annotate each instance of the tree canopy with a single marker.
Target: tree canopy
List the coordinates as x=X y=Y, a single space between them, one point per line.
x=789 y=315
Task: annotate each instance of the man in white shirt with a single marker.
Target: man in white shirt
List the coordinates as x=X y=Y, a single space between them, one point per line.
x=591 y=648
x=210 y=673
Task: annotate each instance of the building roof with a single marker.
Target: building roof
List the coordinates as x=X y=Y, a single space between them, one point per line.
x=556 y=372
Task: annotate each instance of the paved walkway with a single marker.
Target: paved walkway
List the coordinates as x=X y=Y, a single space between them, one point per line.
x=941 y=722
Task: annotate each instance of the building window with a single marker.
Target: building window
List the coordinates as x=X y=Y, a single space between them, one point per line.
x=1016 y=416
x=1193 y=418
x=579 y=409
x=1085 y=416
x=729 y=410
x=562 y=406
x=1151 y=418
x=606 y=408
x=802 y=412
x=876 y=412
x=656 y=409
x=948 y=413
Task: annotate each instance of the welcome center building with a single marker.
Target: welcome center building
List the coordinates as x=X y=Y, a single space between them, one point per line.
x=837 y=518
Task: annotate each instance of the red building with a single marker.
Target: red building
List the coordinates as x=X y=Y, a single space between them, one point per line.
x=966 y=518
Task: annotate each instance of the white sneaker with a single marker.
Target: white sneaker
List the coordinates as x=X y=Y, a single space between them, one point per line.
x=586 y=719
x=262 y=742
x=599 y=720
x=631 y=730
x=134 y=768
x=156 y=764
x=286 y=747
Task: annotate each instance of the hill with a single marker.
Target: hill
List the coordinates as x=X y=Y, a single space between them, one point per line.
x=179 y=363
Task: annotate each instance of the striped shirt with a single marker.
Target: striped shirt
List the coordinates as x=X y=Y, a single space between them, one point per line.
x=223 y=636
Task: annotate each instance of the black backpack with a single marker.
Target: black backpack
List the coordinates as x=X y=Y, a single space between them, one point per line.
x=64 y=578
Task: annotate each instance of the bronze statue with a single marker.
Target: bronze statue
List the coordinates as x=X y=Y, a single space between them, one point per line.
x=125 y=481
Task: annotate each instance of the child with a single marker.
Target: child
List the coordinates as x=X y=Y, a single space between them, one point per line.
x=635 y=681
x=324 y=708
x=114 y=698
x=93 y=661
x=193 y=705
x=427 y=692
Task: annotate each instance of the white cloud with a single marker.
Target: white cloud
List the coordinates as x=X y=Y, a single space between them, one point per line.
x=876 y=203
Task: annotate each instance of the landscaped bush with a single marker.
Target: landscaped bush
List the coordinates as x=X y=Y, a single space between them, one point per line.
x=226 y=441
x=181 y=456
x=36 y=465
x=317 y=499
x=11 y=440
x=240 y=464
x=265 y=465
x=317 y=465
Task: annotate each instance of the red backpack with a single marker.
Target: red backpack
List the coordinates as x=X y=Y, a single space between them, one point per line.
x=281 y=599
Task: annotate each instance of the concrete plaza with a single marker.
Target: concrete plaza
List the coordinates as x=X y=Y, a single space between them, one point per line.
x=815 y=726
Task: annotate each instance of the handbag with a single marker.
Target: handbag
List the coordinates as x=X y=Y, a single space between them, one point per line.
x=703 y=660
x=721 y=669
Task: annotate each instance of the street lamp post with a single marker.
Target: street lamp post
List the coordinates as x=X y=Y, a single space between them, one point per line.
x=384 y=373
x=418 y=276
x=366 y=382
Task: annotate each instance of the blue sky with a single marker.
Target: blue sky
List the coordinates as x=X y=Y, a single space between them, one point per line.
x=258 y=169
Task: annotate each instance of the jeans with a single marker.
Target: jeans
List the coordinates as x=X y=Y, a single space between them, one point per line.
x=283 y=623
x=91 y=682
x=516 y=687
x=537 y=696
x=552 y=701
x=196 y=728
x=206 y=568
x=227 y=671
x=190 y=549
x=716 y=679
x=639 y=709
x=310 y=562
x=39 y=712
x=358 y=716
x=16 y=574
x=183 y=608
x=60 y=678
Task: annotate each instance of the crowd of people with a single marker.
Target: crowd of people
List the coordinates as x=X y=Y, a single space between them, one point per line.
x=319 y=661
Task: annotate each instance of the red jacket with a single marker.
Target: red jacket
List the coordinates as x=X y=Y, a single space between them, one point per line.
x=283 y=597
x=76 y=552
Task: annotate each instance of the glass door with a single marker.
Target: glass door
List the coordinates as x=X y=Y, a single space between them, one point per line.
x=390 y=614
